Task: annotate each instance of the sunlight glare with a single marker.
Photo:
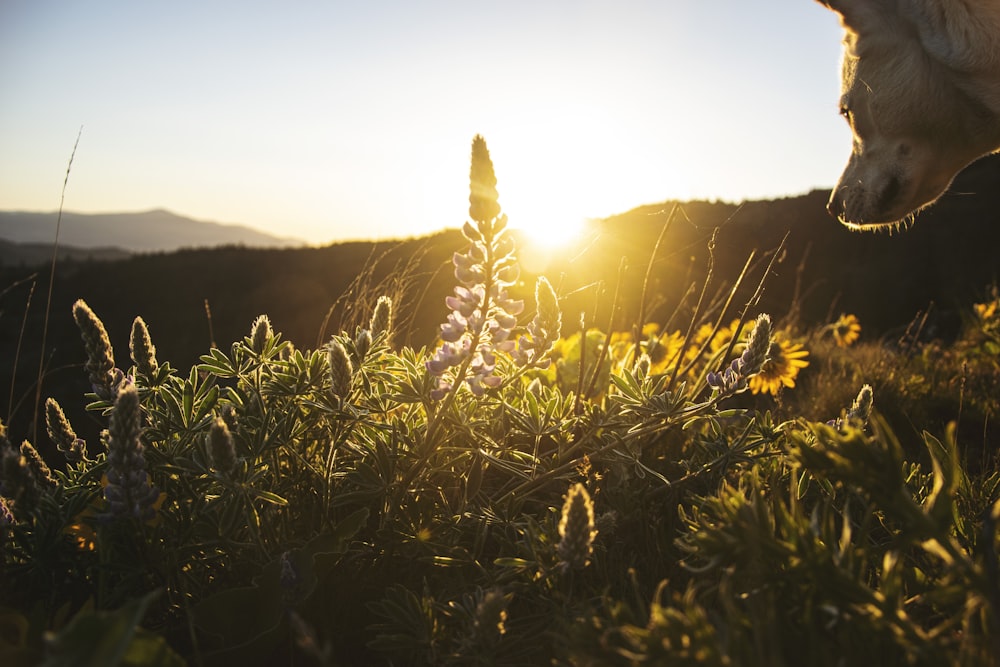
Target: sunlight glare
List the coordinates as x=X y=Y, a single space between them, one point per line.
x=549 y=230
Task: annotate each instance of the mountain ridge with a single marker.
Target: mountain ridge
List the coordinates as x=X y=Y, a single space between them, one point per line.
x=154 y=230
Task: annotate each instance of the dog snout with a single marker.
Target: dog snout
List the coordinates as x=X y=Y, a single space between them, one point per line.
x=835 y=207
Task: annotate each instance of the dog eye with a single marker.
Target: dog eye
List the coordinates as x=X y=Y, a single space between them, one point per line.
x=846 y=113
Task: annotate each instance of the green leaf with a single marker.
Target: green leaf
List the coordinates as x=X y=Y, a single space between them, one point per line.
x=269 y=497
x=111 y=638
x=948 y=475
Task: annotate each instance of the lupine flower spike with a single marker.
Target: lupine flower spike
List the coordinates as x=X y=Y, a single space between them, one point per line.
x=733 y=379
x=260 y=333
x=482 y=315
x=62 y=433
x=220 y=446
x=341 y=370
x=129 y=492
x=576 y=529
x=24 y=477
x=381 y=322
x=142 y=349
x=543 y=331
x=860 y=411
x=105 y=378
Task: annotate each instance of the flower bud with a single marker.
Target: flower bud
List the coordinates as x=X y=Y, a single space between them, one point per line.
x=576 y=529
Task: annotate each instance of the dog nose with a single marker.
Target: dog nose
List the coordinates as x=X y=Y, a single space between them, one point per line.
x=835 y=207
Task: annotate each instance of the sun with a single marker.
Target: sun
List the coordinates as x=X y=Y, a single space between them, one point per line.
x=546 y=235
x=549 y=224
x=552 y=231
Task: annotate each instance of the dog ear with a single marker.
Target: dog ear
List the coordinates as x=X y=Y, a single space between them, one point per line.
x=860 y=18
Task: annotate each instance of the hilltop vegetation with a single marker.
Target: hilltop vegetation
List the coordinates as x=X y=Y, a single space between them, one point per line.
x=715 y=436
x=941 y=265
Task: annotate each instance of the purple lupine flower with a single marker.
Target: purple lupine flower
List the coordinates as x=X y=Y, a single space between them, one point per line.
x=129 y=491
x=542 y=331
x=733 y=379
x=482 y=315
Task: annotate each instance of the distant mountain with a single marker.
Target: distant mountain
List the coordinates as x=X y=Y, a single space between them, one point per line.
x=148 y=231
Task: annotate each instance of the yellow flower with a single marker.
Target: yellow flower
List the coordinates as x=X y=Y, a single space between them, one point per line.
x=846 y=330
x=661 y=348
x=82 y=534
x=721 y=338
x=986 y=311
x=782 y=367
x=663 y=351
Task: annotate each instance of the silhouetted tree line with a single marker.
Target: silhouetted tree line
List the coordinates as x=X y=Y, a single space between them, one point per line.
x=192 y=299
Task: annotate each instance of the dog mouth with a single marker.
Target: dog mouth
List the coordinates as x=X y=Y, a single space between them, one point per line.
x=893 y=226
x=862 y=209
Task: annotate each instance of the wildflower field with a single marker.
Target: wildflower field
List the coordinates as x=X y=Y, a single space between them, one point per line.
x=719 y=488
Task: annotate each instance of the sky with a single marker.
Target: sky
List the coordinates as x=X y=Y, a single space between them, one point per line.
x=350 y=120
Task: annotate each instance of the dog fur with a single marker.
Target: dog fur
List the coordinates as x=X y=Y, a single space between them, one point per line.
x=920 y=88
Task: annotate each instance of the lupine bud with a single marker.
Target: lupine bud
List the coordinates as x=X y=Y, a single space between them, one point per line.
x=483 y=196
x=549 y=314
x=39 y=470
x=62 y=433
x=220 y=446
x=381 y=322
x=758 y=346
x=260 y=333
x=23 y=475
x=341 y=370
x=860 y=411
x=104 y=377
x=543 y=330
x=362 y=343
x=142 y=349
x=576 y=529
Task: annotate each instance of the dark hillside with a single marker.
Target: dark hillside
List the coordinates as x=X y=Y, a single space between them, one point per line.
x=946 y=258
x=296 y=288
